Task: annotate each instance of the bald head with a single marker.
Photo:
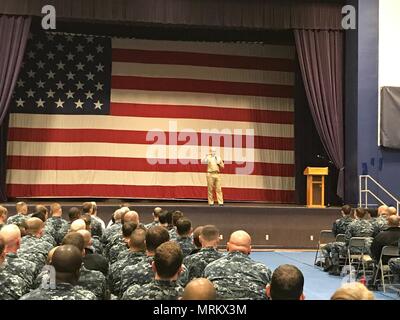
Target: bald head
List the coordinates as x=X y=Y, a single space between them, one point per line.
x=383 y=210
x=393 y=221
x=11 y=236
x=392 y=211
x=77 y=225
x=87 y=237
x=240 y=241
x=34 y=227
x=199 y=289
x=67 y=260
x=131 y=216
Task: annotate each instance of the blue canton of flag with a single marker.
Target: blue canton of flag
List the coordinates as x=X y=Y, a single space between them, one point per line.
x=64 y=74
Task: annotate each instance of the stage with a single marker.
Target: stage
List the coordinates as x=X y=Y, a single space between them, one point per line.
x=271 y=226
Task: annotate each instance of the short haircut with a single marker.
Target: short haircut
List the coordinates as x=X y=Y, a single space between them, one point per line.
x=287 y=283
x=54 y=207
x=75 y=239
x=163 y=217
x=2 y=245
x=86 y=207
x=34 y=225
x=183 y=226
x=138 y=239
x=176 y=215
x=353 y=291
x=155 y=236
x=128 y=228
x=360 y=213
x=40 y=215
x=196 y=236
x=74 y=213
x=209 y=233
x=156 y=212
x=19 y=205
x=42 y=208
x=168 y=259
x=346 y=209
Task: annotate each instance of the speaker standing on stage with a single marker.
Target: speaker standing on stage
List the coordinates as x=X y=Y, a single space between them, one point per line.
x=214 y=164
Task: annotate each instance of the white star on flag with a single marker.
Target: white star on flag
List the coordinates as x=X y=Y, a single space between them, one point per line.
x=79 y=48
x=89 y=57
x=40 y=103
x=20 y=102
x=79 y=85
x=20 y=83
x=59 y=103
x=99 y=49
x=89 y=95
x=99 y=86
x=40 y=64
x=70 y=94
x=70 y=56
x=80 y=66
x=50 y=94
x=70 y=75
x=79 y=104
x=50 y=74
x=60 y=65
x=31 y=73
x=50 y=55
x=100 y=67
x=60 y=47
x=40 y=84
x=30 y=93
x=60 y=85
x=90 y=76
x=98 y=105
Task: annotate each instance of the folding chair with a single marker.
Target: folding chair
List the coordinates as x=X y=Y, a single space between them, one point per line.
x=340 y=238
x=325 y=237
x=356 y=245
x=388 y=251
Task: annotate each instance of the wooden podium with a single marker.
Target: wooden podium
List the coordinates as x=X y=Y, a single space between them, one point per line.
x=316 y=186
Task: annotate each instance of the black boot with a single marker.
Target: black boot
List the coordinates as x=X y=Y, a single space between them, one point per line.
x=335 y=271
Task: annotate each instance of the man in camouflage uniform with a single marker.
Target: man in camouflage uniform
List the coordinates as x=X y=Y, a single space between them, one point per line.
x=122 y=245
x=95 y=226
x=167 y=266
x=360 y=227
x=196 y=263
x=13 y=263
x=22 y=214
x=91 y=280
x=142 y=273
x=32 y=246
x=236 y=276
x=56 y=223
x=12 y=287
x=155 y=222
x=394 y=265
x=3 y=216
x=67 y=261
x=339 y=227
x=380 y=223
x=73 y=214
x=136 y=254
x=184 y=231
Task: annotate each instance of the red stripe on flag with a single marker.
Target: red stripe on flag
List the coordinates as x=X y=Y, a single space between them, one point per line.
x=198 y=112
x=202 y=59
x=204 y=86
x=148 y=192
x=137 y=164
x=139 y=137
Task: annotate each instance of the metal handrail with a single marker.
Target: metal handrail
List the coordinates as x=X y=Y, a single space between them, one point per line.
x=366 y=191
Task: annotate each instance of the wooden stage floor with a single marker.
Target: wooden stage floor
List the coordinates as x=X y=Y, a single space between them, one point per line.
x=271 y=226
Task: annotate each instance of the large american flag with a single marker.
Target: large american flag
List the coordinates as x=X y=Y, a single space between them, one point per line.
x=84 y=106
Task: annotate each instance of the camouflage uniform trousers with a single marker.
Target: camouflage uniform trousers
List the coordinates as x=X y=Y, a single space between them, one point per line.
x=62 y=291
x=155 y=290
